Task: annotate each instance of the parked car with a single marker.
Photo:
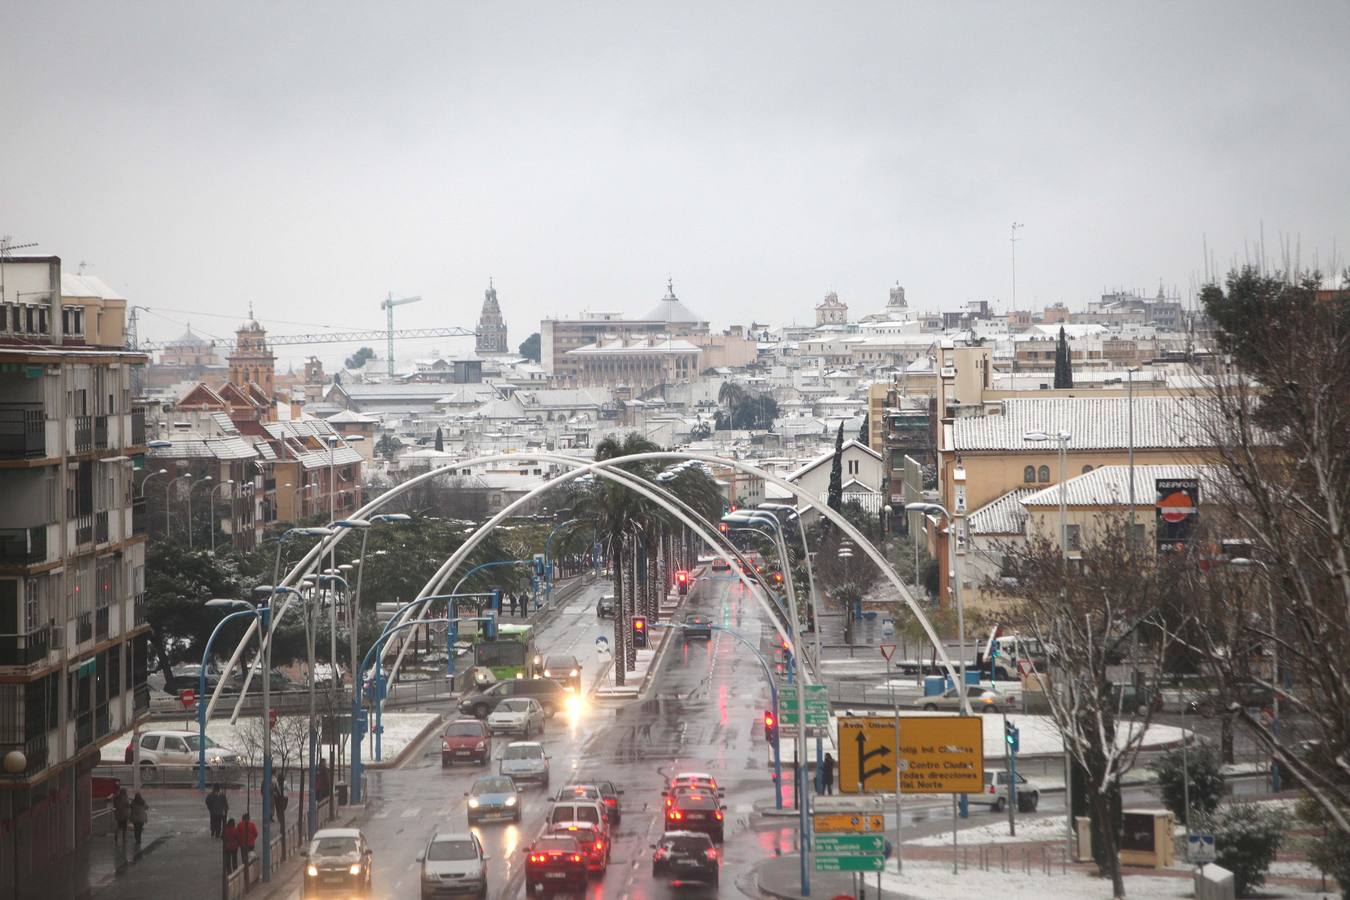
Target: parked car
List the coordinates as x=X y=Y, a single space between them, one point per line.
x=555 y=862
x=551 y=696
x=466 y=740
x=525 y=761
x=996 y=792
x=453 y=865
x=697 y=626
x=682 y=856
x=1247 y=694
x=1132 y=700
x=180 y=748
x=338 y=861
x=982 y=700
x=517 y=715
x=565 y=670
x=494 y=797
x=604 y=607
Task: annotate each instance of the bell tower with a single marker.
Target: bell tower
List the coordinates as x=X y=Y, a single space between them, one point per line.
x=251 y=362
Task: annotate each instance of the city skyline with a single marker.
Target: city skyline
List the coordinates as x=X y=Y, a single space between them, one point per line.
x=579 y=155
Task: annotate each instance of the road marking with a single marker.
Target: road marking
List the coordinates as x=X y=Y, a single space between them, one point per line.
x=412 y=813
x=382 y=814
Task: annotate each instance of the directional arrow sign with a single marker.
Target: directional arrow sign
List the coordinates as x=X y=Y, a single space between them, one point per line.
x=873 y=863
x=845 y=844
x=865 y=757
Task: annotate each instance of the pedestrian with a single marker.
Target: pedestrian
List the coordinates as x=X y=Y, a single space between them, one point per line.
x=121 y=815
x=515 y=604
x=140 y=814
x=213 y=810
x=322 y=782
x=279 y=803
x=828 y=780
x=247 y=835
x=230 y=845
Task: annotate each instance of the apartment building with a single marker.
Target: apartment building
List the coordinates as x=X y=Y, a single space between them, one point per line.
x=73 y=652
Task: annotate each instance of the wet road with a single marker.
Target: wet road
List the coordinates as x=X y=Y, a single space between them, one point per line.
x=702 y=713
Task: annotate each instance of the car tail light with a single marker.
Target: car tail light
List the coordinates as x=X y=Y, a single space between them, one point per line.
x=599 y=845
x=711 y=853
x=576 y=857
x=536 y=857
x=675 y=815
x=660 y=853
x=717 y=814
x=991 y=789
x=610 y=801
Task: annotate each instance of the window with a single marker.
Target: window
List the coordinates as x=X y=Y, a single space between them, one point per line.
x=148 y=742
x=1043 y=475
x=1029 y=475
x=1075 y=535
x=1087 y=469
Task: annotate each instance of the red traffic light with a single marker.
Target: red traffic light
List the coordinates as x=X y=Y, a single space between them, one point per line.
x=722 y=527
x=682 y=577
x=639 y=624
x=768 y=719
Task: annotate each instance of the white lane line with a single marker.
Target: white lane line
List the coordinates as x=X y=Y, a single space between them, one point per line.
x=412 y=812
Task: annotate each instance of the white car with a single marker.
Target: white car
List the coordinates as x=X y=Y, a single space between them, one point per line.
x=524 y=761
x=517 y=715
x=180 y=748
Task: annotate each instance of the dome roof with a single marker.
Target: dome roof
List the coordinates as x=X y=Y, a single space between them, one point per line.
x=189 y=339
x=670 y=309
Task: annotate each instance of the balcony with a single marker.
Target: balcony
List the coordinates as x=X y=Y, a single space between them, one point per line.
x=101 y=432
x=102 y=721
x=23 y=546
x=35 y=752
x=84 y=529
x=84 y=730
x=101 y=527
x=140 y=518
x=84 y=627
x=25 y=649
x=84 y=434
x=139 y=609
x=23 y=431
x=138 y=426
x=101 y=624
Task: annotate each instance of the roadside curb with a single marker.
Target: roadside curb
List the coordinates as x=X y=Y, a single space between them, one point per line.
x=402 y=757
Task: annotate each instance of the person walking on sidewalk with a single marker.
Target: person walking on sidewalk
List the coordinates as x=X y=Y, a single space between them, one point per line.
x=140 y=814
x=214 y=807
x=246 y=833
x=230 y=845
x=121 y=815
x=827 y=770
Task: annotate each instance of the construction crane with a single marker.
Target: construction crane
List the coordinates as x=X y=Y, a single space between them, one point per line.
x=332 y=337
x=388 y=305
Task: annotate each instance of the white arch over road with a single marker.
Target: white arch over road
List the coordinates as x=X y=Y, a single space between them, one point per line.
x=581 y=467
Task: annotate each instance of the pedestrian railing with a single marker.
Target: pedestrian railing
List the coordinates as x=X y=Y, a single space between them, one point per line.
x=1043 y=859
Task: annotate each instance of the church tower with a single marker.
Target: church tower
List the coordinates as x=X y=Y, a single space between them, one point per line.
x=491 y=339
x=251 y=362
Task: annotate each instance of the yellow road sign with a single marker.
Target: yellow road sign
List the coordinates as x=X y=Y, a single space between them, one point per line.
x=938 y=754
x=839 y=823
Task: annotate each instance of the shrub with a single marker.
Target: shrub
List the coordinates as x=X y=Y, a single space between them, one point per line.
x=1246 y=839
x=1207 y=786
x=1329 y=851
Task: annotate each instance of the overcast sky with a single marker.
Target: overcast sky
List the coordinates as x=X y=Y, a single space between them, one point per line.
x=313 y=156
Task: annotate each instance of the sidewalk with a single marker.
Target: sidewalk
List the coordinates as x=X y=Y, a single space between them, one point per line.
x=781 y=877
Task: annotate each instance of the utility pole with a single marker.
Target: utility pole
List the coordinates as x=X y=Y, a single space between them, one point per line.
x=1012 y=241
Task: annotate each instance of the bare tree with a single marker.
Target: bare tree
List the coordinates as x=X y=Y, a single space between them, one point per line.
x=1091 y=614
x=1282 y=432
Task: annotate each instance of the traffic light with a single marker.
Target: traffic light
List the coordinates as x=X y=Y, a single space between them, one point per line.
x=1011 y=736
x=682 y=580
x=722 y=527
x=770 y=726
x=640 y=632
x=777 y=577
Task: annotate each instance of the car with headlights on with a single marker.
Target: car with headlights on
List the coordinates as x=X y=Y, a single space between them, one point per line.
x=555 y=862
x=337 y=861
x=518 y=715
x=686 y=856
x=494 y=797
x=454 y=865
x=565 y=670
x=466 y=740
x=524 y=761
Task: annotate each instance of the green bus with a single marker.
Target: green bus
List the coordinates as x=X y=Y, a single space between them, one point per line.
x=511 y=655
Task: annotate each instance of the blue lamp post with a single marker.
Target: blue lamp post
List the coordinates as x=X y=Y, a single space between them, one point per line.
x=248 y=609
x=548 y=560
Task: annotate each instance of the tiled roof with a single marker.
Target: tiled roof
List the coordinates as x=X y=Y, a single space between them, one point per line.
x=829 y=454
x=1002 y=516
x=1095 y=423
x=205 y=448
x=1110 y=485
x=319 y=459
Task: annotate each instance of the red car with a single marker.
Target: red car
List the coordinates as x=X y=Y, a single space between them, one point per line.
x=592 y=841
x=466 y=740
x=555 y=862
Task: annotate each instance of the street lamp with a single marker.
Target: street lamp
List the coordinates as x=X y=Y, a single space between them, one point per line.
x=792 y=513
x=1061 y=438
x=168 y=491
x=354 y=608
x=955 y=578
x=228 y=483
x=191 y=488
x=1276 y=681
x=151 y=475
x=247 y=609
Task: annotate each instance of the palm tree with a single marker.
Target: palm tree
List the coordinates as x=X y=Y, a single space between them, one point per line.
x=732 y=396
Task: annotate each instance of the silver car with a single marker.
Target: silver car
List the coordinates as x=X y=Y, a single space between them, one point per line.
x=453 y=865
x=525 y=761
x=517 y=715
x=982 y=700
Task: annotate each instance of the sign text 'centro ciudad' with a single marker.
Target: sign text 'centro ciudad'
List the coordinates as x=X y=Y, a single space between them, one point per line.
x=932 y=754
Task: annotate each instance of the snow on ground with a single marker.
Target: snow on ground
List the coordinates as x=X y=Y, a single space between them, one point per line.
x=400 y=729
x=1046 y=829
x=935 y=881
x=1038 y=734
